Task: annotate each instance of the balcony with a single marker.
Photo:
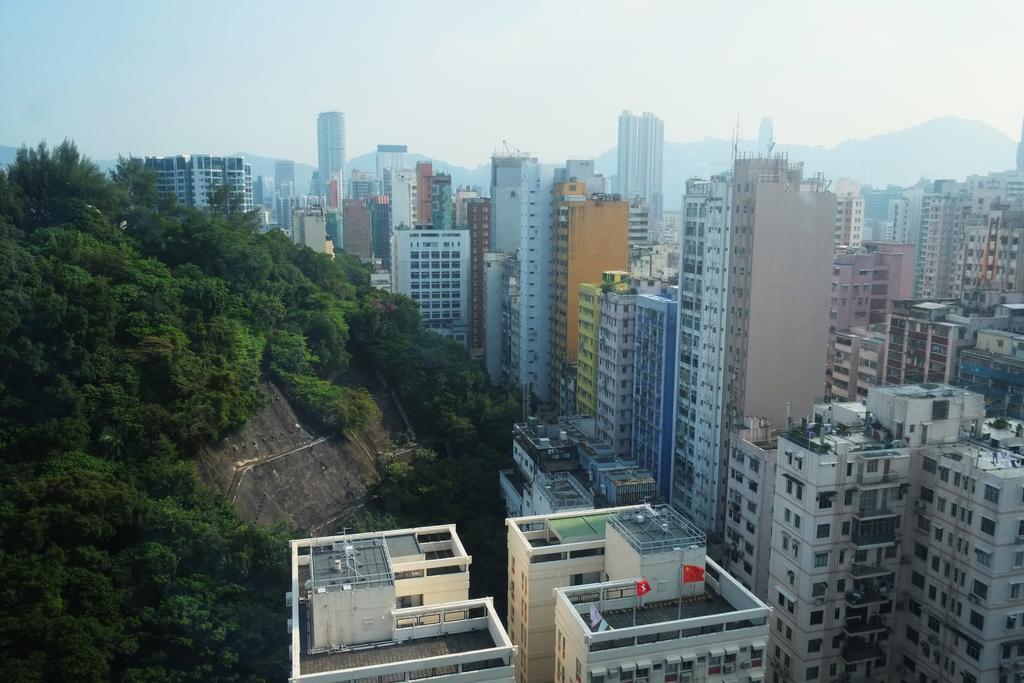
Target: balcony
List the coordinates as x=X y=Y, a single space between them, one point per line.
x=865 y=512
x=858 y=650
x=863 y=571
x=860 y=627
x=873 y=538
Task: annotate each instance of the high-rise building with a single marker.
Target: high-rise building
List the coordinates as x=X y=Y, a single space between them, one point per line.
x=356 y=228
x=442 y=203
x=590 y=237
x=309 y=228
x=462 y=197
x=424 y=192
x=623 y=594
x=936 y=234
x=654 y=374
x=478 y=222
x=404 y=201
x=748 y=279
x=496 y=328
x=849 y=215
x=990 y=258
x=390 y=158
x=391 y=605
x=867 y=281
x=586 y=351
x=284 y=179
x=894 y=549
x=521 y=204
x=616 y=341
x=639 y=223
x=380 y=229
x=640 y=156
x=750 y=497
x=330 y=148
x=362 y=185
x=1020 y=149
x=193 y=179
x=765 y=136
x=432 y=267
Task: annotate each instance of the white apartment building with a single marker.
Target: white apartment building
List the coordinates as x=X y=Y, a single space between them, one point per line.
x=191 y=179
x=695 y=623
x=641 y=151
x=391 y=606
x=616 y=342
x=849 y=231
x=521 y=227
x=404 y=198
x=432 y=267
x=750 y=496
x=639 y=223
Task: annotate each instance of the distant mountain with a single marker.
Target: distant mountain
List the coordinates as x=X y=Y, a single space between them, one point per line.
x=940 y=148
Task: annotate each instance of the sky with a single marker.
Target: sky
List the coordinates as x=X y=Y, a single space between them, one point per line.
x=454 y=79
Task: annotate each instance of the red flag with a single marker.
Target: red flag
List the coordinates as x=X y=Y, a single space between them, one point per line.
x=692 y=573
x=643 y=587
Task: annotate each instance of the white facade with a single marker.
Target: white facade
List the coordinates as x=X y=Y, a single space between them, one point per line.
x=309 y=228
x=521 y=226
x=704 y=244
x=390 y=159
x=404 y=198
x=191 y=179
x=640 y=158
x=432 y=267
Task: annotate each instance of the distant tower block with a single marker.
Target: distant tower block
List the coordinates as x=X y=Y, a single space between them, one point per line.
x=765 y=135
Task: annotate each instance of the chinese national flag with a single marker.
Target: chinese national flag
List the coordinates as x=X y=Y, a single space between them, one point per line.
x=643 y=587
x=692 y=573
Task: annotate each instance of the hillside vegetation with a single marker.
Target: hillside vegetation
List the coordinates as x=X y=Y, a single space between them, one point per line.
x=133 y=332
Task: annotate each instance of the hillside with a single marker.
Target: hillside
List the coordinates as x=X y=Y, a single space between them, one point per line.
x=136 y=337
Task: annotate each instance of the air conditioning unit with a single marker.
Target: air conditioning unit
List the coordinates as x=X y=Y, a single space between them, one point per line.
x=744 y=665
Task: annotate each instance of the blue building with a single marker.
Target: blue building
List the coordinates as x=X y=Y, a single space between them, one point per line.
x=653 y=384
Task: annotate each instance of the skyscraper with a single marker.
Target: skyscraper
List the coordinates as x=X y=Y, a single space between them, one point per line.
x=390 y=158
x=478 y=221
x=424 y=192
x=284 y=178
x=1020 y=149
x=330 y=147
x=356 y=228
x=765 y=136
x=442 y=207
x=380 y=229
x=754 y=310
x=640 y=152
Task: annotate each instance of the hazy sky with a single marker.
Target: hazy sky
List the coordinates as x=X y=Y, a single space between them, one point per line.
x=454 y=79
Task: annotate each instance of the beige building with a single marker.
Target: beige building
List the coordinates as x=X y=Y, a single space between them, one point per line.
x=564 y=568
x=856 y=362
x=309 y=228
x=849 y=231
x=392 y=606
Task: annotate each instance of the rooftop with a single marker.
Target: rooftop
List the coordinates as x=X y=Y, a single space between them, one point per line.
x=393 y=652
x=923 y=390
x=653 y=528
x=359 y=563
x=706 y=605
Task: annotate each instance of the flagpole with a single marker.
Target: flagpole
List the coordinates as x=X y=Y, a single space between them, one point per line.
x=679 y=587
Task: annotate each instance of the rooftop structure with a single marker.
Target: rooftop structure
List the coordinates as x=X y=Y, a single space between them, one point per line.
x=392 y=604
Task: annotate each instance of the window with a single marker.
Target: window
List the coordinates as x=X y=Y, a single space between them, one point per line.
x=821 y=559
x=824 y=530
x=1015 y=591
x=991 y=494
x=984 y=558
x=988 y=526
x=977 y=621
x=812 y=673
x=817 y=617
x=980 y=589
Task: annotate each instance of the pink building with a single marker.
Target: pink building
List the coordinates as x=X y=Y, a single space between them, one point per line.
x=865 y=283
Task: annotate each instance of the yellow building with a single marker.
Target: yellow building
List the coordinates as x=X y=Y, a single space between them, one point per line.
x=589 y=337
x=590 y=237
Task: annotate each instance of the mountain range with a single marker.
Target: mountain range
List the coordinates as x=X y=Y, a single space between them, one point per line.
x=941 y=148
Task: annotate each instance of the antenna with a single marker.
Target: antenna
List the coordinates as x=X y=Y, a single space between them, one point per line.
x=735 y=139
x=771 y=144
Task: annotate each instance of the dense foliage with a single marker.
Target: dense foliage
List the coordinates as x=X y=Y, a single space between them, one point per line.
x=132 y=332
